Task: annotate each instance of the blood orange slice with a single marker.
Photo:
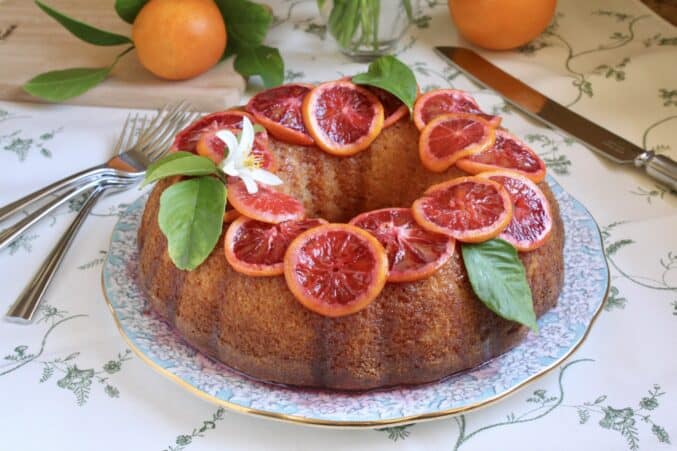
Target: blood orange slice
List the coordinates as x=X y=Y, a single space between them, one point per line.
x=257 y=248
x=393 y=108
x=470 y=209
x=266 y=205
x=442 y=101
x=413 y=252
x=452 y=136
x=210 y=146
x=279 y=110
x=335 y=269
x=342 y=117
x=200 y=137
x=531 y=222
x=508 y=152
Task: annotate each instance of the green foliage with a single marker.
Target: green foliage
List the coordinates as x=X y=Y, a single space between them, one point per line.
x=191 y=217
x=179 y=163
x=392 y=75
x=498 y=279
x=84 y=31
x=263 y=61
x=60 y=85
x=247 y=24
x=128 y=9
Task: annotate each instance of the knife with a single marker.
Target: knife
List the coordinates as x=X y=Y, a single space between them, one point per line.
x=659 y=167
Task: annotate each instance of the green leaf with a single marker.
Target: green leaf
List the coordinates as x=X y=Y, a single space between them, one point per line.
x=60 y=85
x=263 y=61
x=392 y=75
x=246 y=23
x=179 y=163
x=128 y=9
x=498 y=278
x=84 y=31
x=191 y=217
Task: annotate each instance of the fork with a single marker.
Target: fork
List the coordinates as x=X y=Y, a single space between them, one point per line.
x=27 y=302
x=130 y=163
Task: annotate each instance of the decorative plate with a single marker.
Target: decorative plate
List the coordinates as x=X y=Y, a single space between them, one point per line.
x=562 y=330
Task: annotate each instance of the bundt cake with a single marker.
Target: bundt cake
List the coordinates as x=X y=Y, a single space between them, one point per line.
x=412 y=333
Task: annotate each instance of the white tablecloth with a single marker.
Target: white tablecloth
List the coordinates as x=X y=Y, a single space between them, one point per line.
x=67 y=381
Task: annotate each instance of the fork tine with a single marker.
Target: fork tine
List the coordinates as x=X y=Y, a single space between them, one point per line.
x=154 y=122
x=129 y=138
x=161 y=144
x=168 y=126
x=155 y=128
x=119 y=147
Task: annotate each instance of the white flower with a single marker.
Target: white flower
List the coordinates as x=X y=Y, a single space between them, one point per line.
x=241 y=162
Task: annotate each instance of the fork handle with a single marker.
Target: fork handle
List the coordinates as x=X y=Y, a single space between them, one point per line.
x=12 y=232
x=23 y=309
x=68 y=182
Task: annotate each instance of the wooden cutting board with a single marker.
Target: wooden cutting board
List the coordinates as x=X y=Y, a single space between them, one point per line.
x=31 y=43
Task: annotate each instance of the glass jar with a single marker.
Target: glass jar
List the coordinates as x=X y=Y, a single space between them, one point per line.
x=366 y=29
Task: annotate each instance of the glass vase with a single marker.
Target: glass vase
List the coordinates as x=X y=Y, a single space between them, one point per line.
x=366 y=29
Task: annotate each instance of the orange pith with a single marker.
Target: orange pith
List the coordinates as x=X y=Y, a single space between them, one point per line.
x=507 y=152
x=532 y=218
x=443 y=101
x=413 y=252
x=467 y=208
x=257 y=248
x=279 y=110
x=335 y=269
x=267 y=205
x=453 y=136
x=342 y=118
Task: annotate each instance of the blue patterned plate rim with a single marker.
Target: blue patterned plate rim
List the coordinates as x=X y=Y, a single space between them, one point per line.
x=561 y=331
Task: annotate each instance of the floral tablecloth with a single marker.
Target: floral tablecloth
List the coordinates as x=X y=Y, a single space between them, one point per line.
x=68 y=381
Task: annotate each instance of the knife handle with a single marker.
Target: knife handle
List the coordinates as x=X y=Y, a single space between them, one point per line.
x=659 y=167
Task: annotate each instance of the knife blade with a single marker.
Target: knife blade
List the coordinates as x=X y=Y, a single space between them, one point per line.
x=540 y=107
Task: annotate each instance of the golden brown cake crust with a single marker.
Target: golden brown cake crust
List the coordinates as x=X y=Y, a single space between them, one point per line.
x=412 y=333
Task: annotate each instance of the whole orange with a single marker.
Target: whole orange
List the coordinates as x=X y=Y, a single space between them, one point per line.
x=179 y=39
x=501 y=24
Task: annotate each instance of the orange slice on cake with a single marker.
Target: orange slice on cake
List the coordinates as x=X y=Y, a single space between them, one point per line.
x=257 y=248
x=266 y=205
x=343 y=118
x=413 y=252
x=469 y=209
x=451 y=137
x=508 y=152
x=531 y=222
x=393 y=108
x=443 y=101
x=335 y=269
x=279 y=110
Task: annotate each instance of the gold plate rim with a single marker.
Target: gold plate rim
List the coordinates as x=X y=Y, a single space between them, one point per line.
x=371 y=424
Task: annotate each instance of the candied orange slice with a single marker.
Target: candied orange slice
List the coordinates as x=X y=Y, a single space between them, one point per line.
x=279 y=110
x=508 y=152
x=257 y=248
x=266 y=205
x=531 y=222
x=335 y=269
x=469 y=209
x=442 y=101
x=413 y=252
x=453 y=136
x=343 y=118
